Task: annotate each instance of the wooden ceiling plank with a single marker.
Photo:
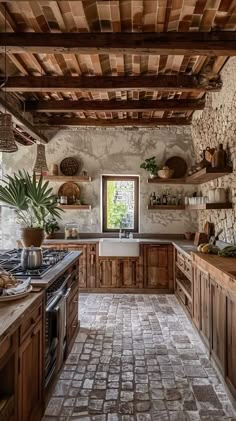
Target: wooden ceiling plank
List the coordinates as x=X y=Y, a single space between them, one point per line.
x=22 y=122
x=105 y=106
x=51 y=122
x=165 y=83
x=169 y=43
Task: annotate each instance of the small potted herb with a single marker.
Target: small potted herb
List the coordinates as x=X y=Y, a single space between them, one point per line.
x=150 y=165
x=51 y=227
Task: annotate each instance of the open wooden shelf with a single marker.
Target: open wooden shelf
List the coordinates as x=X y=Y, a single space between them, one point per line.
x=78 y=207
x=199 y=177
x=157 y=180
x=166 y=207
x=206 y=206
x=185 y=285
x=65 y=178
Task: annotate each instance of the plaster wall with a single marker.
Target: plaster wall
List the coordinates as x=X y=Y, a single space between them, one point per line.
x=110 y=151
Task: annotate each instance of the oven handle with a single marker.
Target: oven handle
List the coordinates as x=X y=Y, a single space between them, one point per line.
x=63 y=297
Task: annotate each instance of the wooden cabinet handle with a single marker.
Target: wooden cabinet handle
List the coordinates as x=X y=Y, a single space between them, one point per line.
x=92 y=259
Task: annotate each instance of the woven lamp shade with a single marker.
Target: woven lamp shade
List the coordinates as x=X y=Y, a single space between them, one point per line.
x=40 y=162
x=7 y=139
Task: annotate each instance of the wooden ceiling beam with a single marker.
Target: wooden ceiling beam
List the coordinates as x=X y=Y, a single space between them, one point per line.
x=166 y=43
x=162 y=83
x=52 y=122
x=65 y=106
x=22 y=123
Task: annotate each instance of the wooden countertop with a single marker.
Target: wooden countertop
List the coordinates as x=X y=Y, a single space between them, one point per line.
x=13 y=312
x=223 y=269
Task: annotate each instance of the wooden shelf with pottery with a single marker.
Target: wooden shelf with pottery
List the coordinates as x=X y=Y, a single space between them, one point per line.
x=166 y=207
x=199 y=177
x=66 y=178
x=205 y=206
x=78 y=207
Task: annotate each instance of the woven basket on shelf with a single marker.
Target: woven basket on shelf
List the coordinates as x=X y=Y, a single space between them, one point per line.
x=166 y=172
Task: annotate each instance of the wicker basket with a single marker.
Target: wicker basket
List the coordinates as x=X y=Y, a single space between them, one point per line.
x=166 y=172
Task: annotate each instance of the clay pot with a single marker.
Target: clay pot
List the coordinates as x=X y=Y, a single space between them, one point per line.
x=32 y=237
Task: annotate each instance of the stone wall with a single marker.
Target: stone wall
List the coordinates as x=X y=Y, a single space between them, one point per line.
x=217 y=124
x=111 y=151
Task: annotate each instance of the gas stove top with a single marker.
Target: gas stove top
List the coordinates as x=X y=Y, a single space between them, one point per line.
x=11 y=262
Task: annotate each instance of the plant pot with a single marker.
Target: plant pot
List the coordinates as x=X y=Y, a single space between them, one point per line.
x=32 y=237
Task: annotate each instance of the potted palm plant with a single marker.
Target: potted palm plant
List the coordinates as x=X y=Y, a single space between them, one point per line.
x=33 y=203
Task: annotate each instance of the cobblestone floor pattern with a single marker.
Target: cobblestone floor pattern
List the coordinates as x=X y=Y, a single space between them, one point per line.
x=137 y=358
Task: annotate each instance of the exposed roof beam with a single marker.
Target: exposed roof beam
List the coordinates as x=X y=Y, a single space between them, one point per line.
x=64 y=106
x=162 y=83
x=166 y=43
x=77 y=121
x=21 y=122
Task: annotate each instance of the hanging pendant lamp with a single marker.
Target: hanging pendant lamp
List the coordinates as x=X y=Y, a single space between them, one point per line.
x=40 y=164
x=7 y=138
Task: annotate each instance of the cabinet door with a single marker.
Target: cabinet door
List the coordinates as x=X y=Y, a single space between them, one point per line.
x=231 y=344
x=218 y=317
x=31 y=379
x=156 y=271
x=196 y=296
x=108 y=273
x=205 y=308
x=128 y=272
x=82 y=263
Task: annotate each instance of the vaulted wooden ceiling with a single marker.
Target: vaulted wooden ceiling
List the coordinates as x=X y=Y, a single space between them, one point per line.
x=126 y=62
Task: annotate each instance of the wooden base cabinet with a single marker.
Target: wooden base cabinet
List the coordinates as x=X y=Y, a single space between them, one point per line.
x=119 y=272
x=214 y=315
x=201 y=303
x=218 y=318
x=157 y=266
x=230 y=368
x=30 y=375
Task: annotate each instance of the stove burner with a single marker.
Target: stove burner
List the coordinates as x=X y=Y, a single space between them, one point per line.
x=11 y=262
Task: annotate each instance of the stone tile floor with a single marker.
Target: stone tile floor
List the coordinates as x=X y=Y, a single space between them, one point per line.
x=137 y=358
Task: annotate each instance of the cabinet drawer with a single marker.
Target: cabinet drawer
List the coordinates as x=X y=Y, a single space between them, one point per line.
x=180 y=293
x=188 y=268
x=180 y=260
x=29 y=324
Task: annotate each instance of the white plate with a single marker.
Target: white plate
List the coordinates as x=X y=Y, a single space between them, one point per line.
x=16 y=296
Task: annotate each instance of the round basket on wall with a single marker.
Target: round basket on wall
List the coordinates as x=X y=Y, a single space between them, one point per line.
x=69 y=166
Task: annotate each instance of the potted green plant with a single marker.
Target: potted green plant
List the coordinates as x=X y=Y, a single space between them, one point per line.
x=51 y=227
x=150 y=165
x=33 y=202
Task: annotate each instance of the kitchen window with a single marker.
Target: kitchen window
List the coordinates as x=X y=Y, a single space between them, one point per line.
x=120 y=203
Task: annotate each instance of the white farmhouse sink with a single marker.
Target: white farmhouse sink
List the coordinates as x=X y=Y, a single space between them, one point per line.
x=116 y=247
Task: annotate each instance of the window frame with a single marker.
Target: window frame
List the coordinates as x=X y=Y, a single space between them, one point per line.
x=106 y=178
